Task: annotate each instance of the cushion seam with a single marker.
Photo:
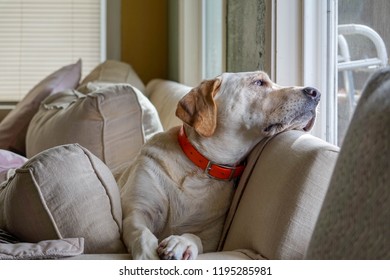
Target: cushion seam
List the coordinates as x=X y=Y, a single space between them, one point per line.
x=43 y=201
x=104 y=185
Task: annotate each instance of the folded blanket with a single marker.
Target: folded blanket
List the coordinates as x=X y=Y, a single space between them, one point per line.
x=48 y=249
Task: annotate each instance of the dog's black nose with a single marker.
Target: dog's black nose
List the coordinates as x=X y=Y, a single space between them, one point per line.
x=312 y=93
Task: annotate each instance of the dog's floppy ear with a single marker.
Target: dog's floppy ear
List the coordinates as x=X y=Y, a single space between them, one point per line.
x=197 y=108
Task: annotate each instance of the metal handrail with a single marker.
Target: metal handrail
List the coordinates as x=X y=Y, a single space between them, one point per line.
x=345 y=63
x=381 y=60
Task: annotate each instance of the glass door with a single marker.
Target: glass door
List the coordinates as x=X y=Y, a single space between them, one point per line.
x=363 y=42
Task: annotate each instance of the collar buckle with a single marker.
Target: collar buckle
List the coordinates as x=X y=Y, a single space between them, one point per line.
x=225 y=168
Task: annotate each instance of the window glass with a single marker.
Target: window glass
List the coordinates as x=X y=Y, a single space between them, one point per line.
x=363 y=46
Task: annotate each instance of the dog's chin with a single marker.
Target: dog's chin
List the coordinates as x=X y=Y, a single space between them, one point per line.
x=303 y=123
x=310 y=124
x=272 y=129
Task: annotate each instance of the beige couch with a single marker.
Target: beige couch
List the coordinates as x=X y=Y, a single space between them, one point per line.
x=276 y=205
x=279 y=197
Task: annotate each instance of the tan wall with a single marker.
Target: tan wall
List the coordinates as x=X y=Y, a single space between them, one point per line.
x=144 y=37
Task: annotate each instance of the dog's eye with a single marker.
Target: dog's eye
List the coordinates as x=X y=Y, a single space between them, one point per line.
x=259 y=83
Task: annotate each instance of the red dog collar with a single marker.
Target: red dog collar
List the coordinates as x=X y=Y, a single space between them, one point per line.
x=218 y=171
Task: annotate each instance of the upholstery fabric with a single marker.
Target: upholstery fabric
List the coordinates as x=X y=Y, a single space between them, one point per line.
x=354 y=222
x=279 y=202
x=13 y=127
x=112 y=71
x=112 y=122
x=165 y=95
x=64 y=192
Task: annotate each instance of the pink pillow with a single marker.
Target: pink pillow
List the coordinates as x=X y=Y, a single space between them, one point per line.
x=14 y=126
x=9 y=160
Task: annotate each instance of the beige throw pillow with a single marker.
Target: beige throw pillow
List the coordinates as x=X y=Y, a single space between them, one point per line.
x=64 y=192
x=112 y=122
x=112 y=71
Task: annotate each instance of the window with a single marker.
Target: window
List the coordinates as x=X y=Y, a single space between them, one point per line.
x=303 y=52
x=201 y=41
x=363 y=46
x=38 y=37
x=334 y=45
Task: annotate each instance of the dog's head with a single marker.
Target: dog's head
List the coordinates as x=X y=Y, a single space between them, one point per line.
x=248 y=102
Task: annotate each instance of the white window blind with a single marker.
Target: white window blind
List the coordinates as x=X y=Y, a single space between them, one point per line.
x=38 y=37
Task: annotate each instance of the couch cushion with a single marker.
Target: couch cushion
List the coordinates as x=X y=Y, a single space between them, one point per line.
x=64 y=192
x=112 y=71
x=112 y=122
x=278 y=201
x=13 y=127
x=165 y=95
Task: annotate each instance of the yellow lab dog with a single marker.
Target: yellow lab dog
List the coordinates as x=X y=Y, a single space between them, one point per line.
x=176 y=194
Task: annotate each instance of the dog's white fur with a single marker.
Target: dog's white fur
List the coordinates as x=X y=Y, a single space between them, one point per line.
x=171 y=208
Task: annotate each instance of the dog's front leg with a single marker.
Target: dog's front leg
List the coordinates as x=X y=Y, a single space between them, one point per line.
x=139 y=239
x=144 y=208
x=144 y=245
x=180 y=247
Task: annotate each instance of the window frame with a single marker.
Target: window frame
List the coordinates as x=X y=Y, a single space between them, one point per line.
x=310 y=54
x=197 y=42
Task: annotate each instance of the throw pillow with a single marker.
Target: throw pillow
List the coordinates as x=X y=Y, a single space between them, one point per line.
x=112 y=71
x=13 y=127
x=64 y=192
x=112 y=122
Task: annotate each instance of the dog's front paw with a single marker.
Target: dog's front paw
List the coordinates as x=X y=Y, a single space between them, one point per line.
x=144 y=247
x=145 y=255
x=174 y=247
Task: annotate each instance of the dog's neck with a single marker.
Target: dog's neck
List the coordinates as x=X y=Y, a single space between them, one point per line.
x=213 y=169
x=223 y=148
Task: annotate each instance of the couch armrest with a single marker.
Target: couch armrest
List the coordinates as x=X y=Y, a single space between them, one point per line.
x=278 y=200
x=165 y=95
